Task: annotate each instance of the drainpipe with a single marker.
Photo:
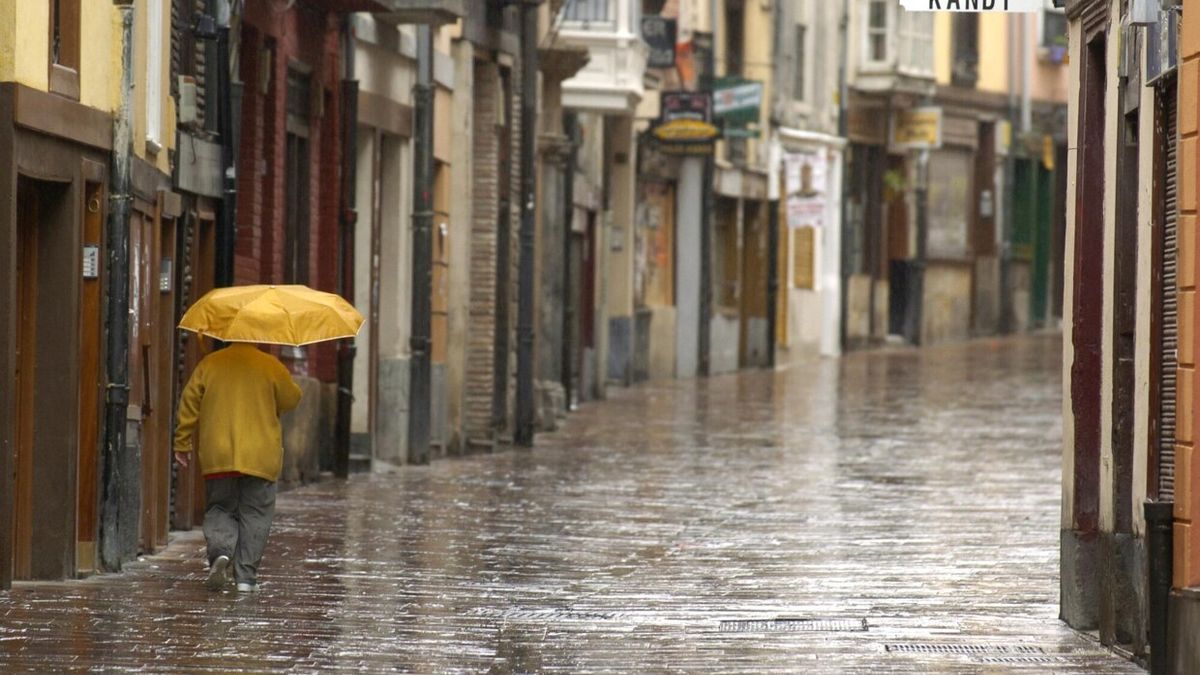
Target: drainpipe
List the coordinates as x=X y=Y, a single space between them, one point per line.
x=226 y=230
x=347 y=349
x=1006 y=300
x=526 y=412
x=1160 y=522
x=571 y=128
x=120 y=503
x=422 y=260
x=843 y=131
x=706 y=215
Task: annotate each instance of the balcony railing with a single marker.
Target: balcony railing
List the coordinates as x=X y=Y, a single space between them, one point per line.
x=590 y=11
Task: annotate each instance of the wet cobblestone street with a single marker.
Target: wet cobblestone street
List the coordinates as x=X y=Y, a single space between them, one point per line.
x=888 y=512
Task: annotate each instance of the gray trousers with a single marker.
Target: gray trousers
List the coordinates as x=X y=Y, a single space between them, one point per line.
x=237 y=521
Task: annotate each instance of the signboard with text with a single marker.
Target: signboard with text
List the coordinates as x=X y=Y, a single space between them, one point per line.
x=685 y=125
x=659 y=34
x=973 y=5
x=917 y=129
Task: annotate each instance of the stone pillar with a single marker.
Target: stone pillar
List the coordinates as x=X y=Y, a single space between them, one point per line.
x=622 y=185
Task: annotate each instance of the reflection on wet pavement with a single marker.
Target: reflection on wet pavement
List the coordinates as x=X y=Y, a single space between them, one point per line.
x=889 y=512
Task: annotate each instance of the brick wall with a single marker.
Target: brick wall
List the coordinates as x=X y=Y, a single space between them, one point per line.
x=306 y=37
x=477 y=414
x=1187 y=496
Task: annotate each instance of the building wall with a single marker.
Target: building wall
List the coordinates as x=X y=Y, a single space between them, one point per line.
x=1187 y=495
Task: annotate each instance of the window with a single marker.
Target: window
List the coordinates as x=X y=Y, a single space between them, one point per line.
x=800 y=51
x=965 y=64
x=916 y=42
x=877 y=31
x=590 y=11
x=64 y=47
x=154 y=63
x=734 y=44
x=296 y=179
x=1052 y=26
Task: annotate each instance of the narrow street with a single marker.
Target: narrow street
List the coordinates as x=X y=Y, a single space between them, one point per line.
x=888 y=512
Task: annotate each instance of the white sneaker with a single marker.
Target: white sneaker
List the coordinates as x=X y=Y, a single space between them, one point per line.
x=218 y=575
x=247 y=588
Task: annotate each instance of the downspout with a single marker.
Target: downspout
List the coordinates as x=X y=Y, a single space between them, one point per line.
x=121 y=480
x=226 y=231
x=1006 y=308
x=347 y=349
x=843 y=131
x=422 y=255
x=525 y=281
x=571 y=129
x=773 y=206
x=706 y=214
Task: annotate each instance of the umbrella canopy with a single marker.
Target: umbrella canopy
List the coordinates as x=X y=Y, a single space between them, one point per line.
x=279 y=315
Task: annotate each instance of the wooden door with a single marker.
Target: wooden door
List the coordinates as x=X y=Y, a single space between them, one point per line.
x=195 y=276
x=150 y=379
x=90 y=386
x=27 y=220
x=753 y=300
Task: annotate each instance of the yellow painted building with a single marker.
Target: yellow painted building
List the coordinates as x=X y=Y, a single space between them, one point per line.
x=60 y=91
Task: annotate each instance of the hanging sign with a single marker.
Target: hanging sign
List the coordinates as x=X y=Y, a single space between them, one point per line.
x=973 y=5
x=685 y=125
x=736 y=103
x=659 y=34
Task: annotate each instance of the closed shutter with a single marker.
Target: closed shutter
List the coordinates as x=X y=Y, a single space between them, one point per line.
x=1169 y=320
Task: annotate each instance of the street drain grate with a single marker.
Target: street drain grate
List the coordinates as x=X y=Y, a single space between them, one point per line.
x=1024 y=659
x=550 y=615
x=794 y=626
x=962 y=649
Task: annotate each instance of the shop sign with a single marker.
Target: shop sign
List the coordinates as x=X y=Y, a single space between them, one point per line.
x=917 y=129
x=737 y=102
x=973 y=5
x=805 y=188
x=659 y=34
x=685 y=125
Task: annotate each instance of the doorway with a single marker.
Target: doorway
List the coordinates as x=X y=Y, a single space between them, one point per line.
x=47 y=383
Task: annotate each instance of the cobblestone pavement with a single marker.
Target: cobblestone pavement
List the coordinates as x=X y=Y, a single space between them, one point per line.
x=889 y=512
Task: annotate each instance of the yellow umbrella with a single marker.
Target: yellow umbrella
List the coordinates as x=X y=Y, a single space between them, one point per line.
x=279 y=315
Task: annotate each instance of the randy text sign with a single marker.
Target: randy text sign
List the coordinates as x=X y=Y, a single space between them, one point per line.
x=972 y=5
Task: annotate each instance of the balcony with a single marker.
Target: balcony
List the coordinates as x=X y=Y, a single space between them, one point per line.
x=419 y=11
x=612 y=80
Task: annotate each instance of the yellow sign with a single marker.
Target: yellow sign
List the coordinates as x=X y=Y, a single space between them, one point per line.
x=1048 y=152
x=803 y=257
x=917 y=128
x=686 y=131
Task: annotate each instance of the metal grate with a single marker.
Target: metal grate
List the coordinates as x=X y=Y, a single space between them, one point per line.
x=522 y=614
x=1168 y=354
x=1013 y=660
x=795 y=626
x=964 y=649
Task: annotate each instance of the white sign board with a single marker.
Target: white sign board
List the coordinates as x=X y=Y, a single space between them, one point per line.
x=973 y=5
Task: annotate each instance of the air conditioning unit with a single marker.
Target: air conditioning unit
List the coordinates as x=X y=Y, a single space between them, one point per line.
x=188 y=112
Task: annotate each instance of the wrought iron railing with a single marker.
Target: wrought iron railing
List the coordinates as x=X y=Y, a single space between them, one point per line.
x=590 y=11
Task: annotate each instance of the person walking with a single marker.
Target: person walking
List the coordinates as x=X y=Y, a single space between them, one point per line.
x=229 y=418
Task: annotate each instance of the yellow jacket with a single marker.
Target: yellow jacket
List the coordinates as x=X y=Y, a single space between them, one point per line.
x=230 y=409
